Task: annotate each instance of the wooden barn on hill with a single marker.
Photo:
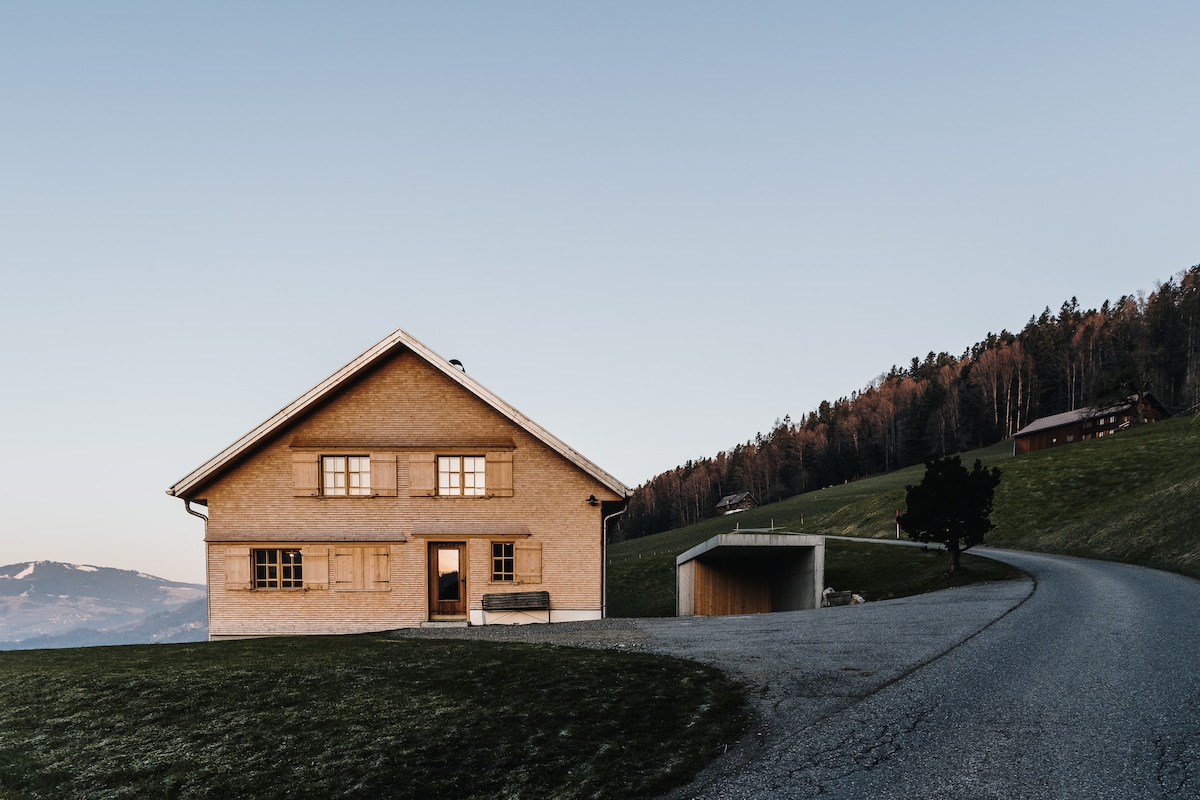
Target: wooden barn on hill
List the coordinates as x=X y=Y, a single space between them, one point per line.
x=733 y=503
x=1086 y=423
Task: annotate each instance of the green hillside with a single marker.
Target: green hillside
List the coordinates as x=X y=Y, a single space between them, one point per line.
x=1131 y=497
x=1134 y=497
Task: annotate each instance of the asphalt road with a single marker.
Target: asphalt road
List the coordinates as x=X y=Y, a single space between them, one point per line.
x=1087 y=686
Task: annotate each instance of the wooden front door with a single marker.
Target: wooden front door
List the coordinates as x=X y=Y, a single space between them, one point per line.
x=447 y=581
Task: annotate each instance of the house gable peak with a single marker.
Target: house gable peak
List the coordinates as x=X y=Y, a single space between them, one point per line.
x=201 y=476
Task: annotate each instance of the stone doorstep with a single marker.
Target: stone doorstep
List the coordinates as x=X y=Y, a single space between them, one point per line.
x=455 y=623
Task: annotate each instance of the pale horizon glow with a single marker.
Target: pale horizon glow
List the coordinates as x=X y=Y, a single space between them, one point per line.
x=654 y=228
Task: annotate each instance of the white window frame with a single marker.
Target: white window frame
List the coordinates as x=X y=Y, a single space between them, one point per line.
x=346 y=476
x=462 y=476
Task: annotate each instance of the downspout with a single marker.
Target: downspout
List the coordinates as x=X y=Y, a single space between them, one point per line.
x=187 y=506
x=604 y=558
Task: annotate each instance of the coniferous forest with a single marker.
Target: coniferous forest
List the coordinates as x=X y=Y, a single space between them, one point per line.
x=943 y=404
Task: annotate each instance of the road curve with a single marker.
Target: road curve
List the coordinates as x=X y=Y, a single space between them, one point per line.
x=1088 y=687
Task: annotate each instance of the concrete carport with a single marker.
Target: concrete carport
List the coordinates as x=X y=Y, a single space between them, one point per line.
x=750 y=572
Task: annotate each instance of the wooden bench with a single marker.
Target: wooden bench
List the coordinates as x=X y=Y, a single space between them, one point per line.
x=517 y=601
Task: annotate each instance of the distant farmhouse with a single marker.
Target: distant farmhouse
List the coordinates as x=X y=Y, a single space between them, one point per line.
x=1086 y=423
x=733 y=503
x=398 y=492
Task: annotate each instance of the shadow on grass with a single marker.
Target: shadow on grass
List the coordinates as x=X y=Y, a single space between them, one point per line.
x=356 y=716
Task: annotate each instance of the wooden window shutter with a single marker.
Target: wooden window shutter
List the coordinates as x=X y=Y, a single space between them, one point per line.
x=362 y=568
x=343 y=569
x=306 y=478
x=499 y=476
x=316 y=567
x=379 y=569
x=422 y=474
x=383 y=474
x=527 y=562
x=237 y=568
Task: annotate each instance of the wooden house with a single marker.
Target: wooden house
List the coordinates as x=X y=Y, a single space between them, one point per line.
x=733 y=503
x=398 y=492
x=1086 y=423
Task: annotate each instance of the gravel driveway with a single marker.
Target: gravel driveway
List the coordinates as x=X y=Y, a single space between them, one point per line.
x=799 y=666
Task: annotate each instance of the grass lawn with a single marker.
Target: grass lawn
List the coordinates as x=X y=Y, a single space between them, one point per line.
x=356 y=716
x=884 y=573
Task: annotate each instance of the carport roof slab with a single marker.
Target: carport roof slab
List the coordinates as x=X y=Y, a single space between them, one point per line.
x=749 y=542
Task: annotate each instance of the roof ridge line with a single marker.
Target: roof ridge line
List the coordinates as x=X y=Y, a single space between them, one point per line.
x=356 y=365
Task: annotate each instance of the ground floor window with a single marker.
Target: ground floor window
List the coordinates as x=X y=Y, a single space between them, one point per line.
x=502 y=561
x=278 y=569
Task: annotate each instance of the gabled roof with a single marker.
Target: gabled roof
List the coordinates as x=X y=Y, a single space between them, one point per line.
x=734 y=499
x=1081 y=414
x=1057 y=420
x=337 y=380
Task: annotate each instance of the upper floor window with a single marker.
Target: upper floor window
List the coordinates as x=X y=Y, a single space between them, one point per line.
x=278 y=569
x=346 y=475
x=461 y=475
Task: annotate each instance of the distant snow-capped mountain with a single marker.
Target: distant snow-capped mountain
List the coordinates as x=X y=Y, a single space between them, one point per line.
x=51 y=604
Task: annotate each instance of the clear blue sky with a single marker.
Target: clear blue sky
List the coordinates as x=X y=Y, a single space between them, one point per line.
x=653 y=227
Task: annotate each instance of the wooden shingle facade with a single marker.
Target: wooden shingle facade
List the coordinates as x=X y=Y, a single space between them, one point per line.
x=397 y=492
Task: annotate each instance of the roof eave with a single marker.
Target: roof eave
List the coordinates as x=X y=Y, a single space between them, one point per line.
x=198 y=477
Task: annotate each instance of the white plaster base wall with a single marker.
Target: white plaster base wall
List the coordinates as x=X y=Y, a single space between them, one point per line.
x=514 y=617
x=481 y=617
x=575 y=615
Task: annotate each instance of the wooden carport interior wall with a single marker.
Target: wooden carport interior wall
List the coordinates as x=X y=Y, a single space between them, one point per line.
x=748 y=581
